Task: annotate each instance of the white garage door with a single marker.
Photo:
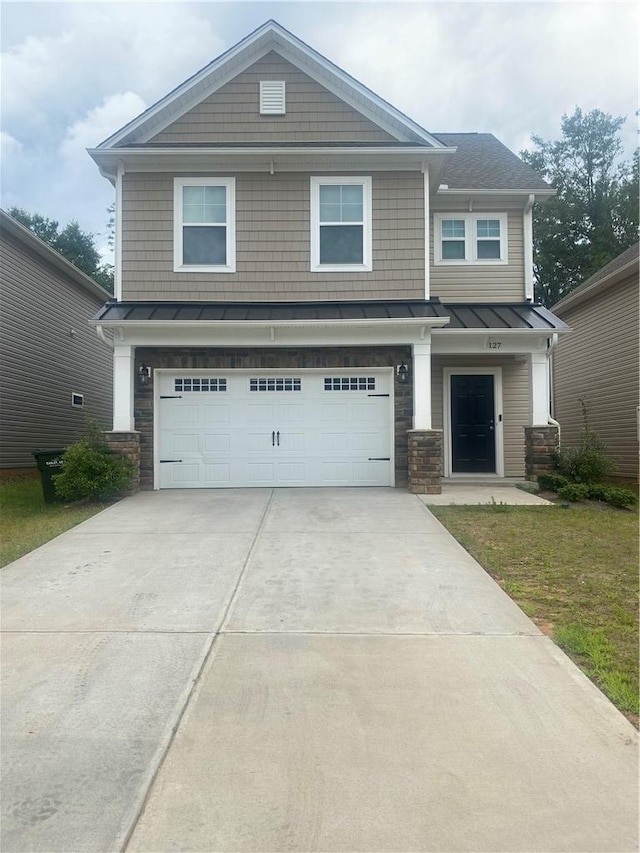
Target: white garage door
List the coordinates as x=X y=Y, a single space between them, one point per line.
x=311 y=428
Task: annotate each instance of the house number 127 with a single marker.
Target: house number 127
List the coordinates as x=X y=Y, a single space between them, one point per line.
x=494 y=344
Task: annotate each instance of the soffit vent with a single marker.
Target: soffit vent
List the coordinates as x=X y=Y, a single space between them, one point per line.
x=272 y=97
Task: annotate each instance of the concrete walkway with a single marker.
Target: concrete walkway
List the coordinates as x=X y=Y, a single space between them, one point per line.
x=293 y=670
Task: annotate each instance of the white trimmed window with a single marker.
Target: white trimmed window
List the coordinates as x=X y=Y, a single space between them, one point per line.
x=340 y=224
x=470 y=238
x=204 y=225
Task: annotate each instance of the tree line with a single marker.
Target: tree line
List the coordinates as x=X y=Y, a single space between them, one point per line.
x=72 y=242
x=592 y=218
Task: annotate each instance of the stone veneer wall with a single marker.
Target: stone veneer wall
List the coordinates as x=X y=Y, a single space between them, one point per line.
x=271 y=358
x=425 y=461
x=540 y=444
x=127 y=444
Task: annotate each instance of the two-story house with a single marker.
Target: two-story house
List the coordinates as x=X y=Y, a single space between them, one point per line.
x=313 y=290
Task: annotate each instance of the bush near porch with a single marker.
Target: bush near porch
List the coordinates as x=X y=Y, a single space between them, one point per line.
x=574 y=571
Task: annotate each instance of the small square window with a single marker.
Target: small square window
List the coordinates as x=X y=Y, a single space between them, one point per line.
x=77 y=400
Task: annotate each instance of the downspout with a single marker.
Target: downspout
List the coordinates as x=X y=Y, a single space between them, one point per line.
x=117 y=273
x=527 y=235
x=105 y=340
x=427 y=225
x=551 y=345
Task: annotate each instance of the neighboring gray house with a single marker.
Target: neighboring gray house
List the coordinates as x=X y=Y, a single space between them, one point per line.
x=54 y=367
x=311 y=289
x=598 y=361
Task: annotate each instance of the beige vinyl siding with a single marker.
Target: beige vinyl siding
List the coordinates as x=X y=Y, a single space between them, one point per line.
x=515 y=402
x=48 y=351
x=232 y=114
x=483 y=282
x=598 y=362
x=273 y=243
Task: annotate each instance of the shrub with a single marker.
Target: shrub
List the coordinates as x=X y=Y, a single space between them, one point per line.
x=552 y=482
x=589 y=462
x=574 y=492
x=619 y=497
x=91 y=471
x=583 y=464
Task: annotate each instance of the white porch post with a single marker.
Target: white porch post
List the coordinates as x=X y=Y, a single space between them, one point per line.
x=539 y=379
x=123 y=420
x=422 y=384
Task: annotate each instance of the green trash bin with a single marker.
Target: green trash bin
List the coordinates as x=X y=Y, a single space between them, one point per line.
x=49 y=462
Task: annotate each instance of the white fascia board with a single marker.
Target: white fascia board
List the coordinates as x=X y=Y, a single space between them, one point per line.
x=351 y=159
x=493 y=192
x=271 y=36
x=497 y=333
x=264 y=333
x=430 y=322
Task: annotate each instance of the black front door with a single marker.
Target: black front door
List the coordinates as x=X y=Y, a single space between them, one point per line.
x=473 y=443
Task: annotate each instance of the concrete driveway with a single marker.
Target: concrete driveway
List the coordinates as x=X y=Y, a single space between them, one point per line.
x=293 y=670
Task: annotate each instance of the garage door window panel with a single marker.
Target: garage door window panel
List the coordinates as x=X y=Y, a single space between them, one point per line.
x=198 y=384
x=350 y=383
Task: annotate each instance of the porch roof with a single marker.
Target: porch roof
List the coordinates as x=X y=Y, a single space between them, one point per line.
x=471 y=316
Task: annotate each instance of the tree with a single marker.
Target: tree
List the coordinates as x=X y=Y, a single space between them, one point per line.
x=594 y=215
x=72 y=242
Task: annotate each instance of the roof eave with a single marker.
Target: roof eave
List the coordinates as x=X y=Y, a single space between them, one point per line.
x=432 y=322
x=264 y=159
x=487 y=191
x=498 y=329
x=44 y=250
x=586 y=291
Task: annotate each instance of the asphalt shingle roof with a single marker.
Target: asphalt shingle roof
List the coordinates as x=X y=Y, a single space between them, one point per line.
x=483 y=162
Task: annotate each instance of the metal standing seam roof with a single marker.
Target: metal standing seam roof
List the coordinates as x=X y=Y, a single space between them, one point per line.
x=472 y=316
x=526 y=316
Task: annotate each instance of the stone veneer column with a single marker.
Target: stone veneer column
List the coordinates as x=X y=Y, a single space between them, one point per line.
x=540 y=443
x=127 y=444
x=425 y=461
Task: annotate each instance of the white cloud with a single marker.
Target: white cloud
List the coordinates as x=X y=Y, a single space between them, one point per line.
x=74 y=72
x=99 y=123
x=9 y=146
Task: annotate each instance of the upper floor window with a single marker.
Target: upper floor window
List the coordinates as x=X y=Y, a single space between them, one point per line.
x=340 y=224
x=204 y=225
x=470 y=238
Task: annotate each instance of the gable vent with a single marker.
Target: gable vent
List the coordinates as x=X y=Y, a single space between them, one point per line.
x=272 y=97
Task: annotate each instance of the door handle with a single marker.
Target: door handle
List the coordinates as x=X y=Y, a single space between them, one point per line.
x=278 y=437
x=273 y=439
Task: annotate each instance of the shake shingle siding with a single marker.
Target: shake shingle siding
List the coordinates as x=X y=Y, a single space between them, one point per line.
x=483 y=282
x=48 y=351
x=273 y=243
x=232 y=114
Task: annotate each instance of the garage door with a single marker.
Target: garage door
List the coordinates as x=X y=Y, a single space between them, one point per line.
x=310 y=428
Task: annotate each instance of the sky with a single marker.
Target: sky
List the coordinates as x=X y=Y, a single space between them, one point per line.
x=75 y=72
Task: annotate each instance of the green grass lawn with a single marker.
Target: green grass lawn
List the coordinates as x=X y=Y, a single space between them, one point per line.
x=574 y=571
x=26 y=521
